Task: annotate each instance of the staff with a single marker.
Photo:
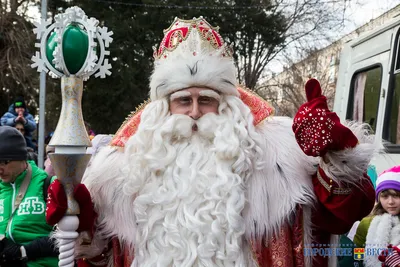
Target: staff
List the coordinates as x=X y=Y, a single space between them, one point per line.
x=68 y=50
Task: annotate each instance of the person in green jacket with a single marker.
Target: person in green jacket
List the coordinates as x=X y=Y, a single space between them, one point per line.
x=24 y=233
x=381 y=230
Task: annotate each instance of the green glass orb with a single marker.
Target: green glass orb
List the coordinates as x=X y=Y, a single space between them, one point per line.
x=75 y=46
x=50 y=47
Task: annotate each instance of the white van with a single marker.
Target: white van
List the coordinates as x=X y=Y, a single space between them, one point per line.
x=368 y=87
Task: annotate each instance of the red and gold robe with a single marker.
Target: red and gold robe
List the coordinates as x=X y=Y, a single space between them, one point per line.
x=332 y=211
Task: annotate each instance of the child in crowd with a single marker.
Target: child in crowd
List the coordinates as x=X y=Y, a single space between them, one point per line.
x=382 y=228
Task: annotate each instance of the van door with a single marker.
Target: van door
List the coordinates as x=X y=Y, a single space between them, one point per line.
x=391 y=124
x=368 y=89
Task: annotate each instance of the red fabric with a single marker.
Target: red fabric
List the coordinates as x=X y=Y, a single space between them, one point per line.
x=331 y=215
x=87 y=215
x=337 y=213
x=83 y=263
x=97 y=260
x=56 y=203
x=122 y=258
x=57 y=206
x=316 y=128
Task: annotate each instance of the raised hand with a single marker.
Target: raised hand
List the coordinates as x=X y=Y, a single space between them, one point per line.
x=316 y=128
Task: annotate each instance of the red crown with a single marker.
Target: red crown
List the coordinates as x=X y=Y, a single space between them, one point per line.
x=191 y=37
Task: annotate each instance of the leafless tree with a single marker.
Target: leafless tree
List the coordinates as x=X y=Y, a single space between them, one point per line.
x=305 y=21
x=16 y=50
x=286 y=91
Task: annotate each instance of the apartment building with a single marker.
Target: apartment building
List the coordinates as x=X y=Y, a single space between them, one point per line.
x=286 y=90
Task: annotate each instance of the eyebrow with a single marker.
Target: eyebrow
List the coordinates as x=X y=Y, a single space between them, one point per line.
x=210 y=93
x=179 y=94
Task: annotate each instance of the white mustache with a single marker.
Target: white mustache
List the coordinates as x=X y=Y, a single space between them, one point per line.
x=182 y=126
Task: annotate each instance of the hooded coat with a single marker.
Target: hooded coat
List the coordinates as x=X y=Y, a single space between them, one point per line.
x=9 y=117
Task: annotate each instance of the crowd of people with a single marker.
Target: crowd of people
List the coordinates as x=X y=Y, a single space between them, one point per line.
x=203 y=175
x=25 y=239
x=26 y=236
x=18 y=116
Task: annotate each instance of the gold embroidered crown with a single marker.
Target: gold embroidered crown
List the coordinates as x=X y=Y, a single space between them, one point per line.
x=194 y=37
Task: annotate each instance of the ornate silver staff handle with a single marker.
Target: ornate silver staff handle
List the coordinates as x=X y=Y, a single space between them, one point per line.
x=64 y=40
x=69 y=161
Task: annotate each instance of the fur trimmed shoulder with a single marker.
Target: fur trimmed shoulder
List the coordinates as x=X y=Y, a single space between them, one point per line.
x=105 y=181
x=349 y=165
x=283 y=182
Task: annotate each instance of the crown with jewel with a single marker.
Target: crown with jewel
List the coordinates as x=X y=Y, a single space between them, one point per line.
x=193 y=36
x=192 y=53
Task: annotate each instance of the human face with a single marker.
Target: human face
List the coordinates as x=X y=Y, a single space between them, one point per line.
x=9 y=170
x=19 y=110
x=20 y=128
x=194 y=102
x=390 y=202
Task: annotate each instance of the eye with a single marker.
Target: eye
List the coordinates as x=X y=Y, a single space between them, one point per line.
x=205 y=100
x=185 y=100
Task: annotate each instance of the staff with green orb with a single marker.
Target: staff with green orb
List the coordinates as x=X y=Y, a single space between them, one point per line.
x=72 y=48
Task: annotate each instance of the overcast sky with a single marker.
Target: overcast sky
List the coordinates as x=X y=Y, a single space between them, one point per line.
x=362 y=11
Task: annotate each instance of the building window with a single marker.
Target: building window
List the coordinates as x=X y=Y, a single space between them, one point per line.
x=364 y=96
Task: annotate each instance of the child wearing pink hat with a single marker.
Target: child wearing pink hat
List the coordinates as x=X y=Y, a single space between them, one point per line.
x=382 y=228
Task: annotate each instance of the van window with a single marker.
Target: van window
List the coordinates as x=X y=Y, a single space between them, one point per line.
x=392 y=120
x=364 y=96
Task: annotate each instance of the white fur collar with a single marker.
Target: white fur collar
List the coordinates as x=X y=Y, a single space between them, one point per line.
x=283 y=182
x=384 y=230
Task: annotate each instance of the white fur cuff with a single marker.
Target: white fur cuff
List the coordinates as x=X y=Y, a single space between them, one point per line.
x=349 y=165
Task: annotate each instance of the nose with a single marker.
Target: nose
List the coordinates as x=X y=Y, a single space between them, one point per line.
x=391 y=199
x=195 y=112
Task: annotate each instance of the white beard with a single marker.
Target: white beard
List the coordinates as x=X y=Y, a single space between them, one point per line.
x=190 y=189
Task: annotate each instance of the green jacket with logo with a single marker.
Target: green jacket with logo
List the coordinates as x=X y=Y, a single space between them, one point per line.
x=29 y=220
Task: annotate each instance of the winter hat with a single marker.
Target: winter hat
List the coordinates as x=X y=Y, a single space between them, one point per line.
x=192 y=53
x=389 y=179
x=12 y=144
x=19 y=103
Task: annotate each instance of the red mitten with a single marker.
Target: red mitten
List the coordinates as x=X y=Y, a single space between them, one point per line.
x=56 y=203
x=87 y=215
x=316 y=128
x=384 y=254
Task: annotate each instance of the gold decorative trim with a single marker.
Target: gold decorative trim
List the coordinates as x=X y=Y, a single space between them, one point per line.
x=253 y=253
x=132 y=114
x=336 y=190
